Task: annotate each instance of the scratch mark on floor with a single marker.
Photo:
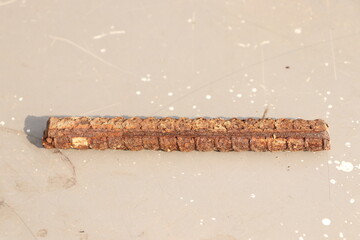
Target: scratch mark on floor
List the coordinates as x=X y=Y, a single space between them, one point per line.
x=331 y=41
x=90 y=53
x=2 y=203
x=228 y=75
x=262 y=65
x=333 y=55
x=334 y=71
x=17 y=132
x=7 y=2
x=263 y=85
x=270 y=30
x=101 y=108
x=328 y=175
x=193 y=27
x=11 y=130
x=73 y=180
x=265 y=112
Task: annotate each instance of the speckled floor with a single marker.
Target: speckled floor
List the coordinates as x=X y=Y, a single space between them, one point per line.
x=178 y=58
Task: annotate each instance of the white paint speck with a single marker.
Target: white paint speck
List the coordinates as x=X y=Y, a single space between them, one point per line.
x=348 y=144
x=341 y=235
x=99 y=36
x=231 y=90
x=170 y=94
x=252 y=101
x=252 y=195
x=239 y=95
x=341 y=98
x=264 y=42
x=146 y=79
x=188 y=87
x=328 y=92
x=213 y=218
x=308 y=79
x=229 y=28
x=301 y=238
x=138 y=92
x=345 y=166
x=117 y=32
x=2 y=123
x=20 y=99
x=326 y=221
x=297 y=30
x=244 y=45
x=103 y=50
x=194 y=106
x=164 y=77
x=254 y=90
x=12 y=118
x=333 y=181
x=191 y=200
x=208 y=97
x=325 y=235
x=330 y=106
x=352 y=200
x=347 y=62
x=171 y=108
x=27 y=130
x=326 y=64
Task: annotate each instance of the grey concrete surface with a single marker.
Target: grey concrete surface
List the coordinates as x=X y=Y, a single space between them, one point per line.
x=178 y=58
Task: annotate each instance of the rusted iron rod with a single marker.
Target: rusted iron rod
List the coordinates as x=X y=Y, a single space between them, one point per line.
x=185 y=134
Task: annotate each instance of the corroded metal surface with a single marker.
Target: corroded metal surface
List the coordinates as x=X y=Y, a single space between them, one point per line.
x=185 y=134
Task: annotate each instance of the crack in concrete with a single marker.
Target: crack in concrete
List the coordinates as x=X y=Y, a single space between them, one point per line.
x=4 y=204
